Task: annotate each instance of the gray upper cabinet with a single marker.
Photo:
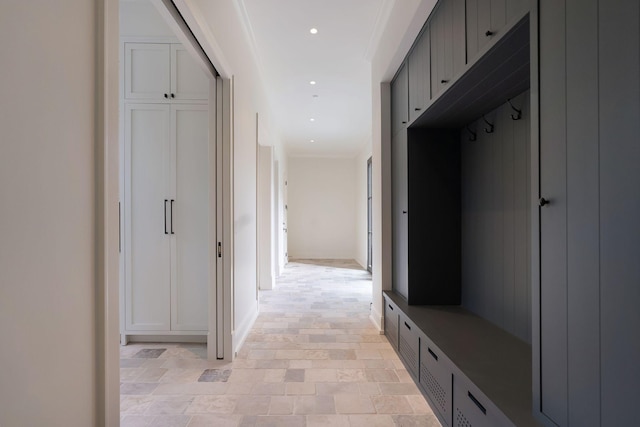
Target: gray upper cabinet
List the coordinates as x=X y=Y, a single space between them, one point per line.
x=487 y=19
x=400 y=100
x=419 y=64
x=447 y=28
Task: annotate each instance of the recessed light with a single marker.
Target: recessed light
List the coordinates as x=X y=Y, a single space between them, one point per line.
x=312 y=82
x=313 y=31
x=312 y=120
x=313 y=140
x=315 y=96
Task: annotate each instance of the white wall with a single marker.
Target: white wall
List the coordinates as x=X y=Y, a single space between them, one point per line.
x=361 y=205
x=266 y=252
x=404 y=23
x=226 y=42
x=142 y=19
x=47 y=215
x=322 y=208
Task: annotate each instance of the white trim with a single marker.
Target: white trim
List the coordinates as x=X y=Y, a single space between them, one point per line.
x=149 y=39
x=378 y=29
x=202 y=32
x=241 y=333
x=377 y=319
x=107 y=215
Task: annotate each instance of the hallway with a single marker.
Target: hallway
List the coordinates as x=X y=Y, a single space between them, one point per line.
x=313 y=358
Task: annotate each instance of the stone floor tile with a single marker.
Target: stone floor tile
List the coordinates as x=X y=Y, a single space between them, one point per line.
x=391 y=404
x=215 y=420
x=328 y=421
x=170 y=421
x=296 y=388
x=371 y=421
x=136 y=421
x=354 y=404
x=337 y=388
x=419 y=404
x=416 y=421
x=253 y=405
x=281 y=405
x=399 y=388
x=137 y=388
x=306 y=405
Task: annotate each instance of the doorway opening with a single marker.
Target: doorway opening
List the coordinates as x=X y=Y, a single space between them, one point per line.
x=369 y=216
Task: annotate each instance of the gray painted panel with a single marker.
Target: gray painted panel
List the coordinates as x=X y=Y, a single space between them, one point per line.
x=508 y=223
x=400 y=221
x=471 y=24
x=495 y=227
x=459 y=54
x=522 y=225
x=399 y=100
x=553 y=238
x=484 y=22
x=583 y=286
x=619 y=84
x=419 y=76
x=516 y=8
x=498 y=15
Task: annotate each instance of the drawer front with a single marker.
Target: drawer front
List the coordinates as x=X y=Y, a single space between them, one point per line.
x=436 y=378
x=471 y=408
x=409 y=344
x=391 y=323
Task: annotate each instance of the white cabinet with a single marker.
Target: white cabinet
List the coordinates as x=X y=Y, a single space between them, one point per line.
x=166 y=199
x=162 y=71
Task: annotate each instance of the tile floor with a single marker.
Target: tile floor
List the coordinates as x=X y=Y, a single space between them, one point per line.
x=312 y=359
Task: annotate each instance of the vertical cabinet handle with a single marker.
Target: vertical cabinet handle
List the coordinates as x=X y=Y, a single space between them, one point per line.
x=165 y=216
x=172 y=216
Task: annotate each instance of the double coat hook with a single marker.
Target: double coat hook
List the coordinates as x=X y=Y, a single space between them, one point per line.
x=490 y=128
x=473 y=136
x=518 y=114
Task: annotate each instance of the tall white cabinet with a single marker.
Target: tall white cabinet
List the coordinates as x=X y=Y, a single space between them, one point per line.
x=166 y=192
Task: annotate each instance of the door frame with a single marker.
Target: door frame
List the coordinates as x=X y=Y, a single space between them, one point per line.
x=370 y=214
x=107 y=220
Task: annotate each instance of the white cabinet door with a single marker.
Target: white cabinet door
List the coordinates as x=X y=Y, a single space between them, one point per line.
x=190 y=217
x=147 y=71
x=188 y=80
x=147 y=239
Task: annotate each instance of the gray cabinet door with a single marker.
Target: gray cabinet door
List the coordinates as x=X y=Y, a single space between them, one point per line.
x=487 y=19
x=419 y=65
x=400 y=100
x=400 y=214
x=553 y=216
x=447 y=43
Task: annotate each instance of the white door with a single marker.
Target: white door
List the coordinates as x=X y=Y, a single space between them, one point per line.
x=285 y=231
x=147 y=71
x=190 y=217
x=148 y=246
x=188 y=80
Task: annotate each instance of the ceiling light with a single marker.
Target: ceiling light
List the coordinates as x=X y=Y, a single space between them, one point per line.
x=313 y=140
x=313 y=31
x=312 y=120
x=315 y=96
x=312 y=82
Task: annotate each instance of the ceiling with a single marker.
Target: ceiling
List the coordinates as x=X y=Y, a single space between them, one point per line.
x=336 y=58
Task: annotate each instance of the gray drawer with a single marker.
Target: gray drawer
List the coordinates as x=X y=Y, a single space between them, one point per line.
x=436 y=378
x=391 y=322
x=471 y=408
x=409 y=344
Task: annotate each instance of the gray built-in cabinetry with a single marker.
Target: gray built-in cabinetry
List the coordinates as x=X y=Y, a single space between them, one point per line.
x=589 y=294
x=515 y=190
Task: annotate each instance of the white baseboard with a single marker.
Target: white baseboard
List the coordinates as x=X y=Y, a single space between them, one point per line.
x=241 y=332
x=376 y=319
